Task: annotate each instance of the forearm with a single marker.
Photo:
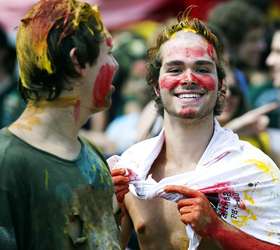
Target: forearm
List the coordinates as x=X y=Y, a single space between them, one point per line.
x=230 y=238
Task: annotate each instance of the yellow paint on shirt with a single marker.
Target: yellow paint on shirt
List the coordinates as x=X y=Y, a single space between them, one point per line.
x=248 y=197
x=264 y=168
x=46 y=179
x=242 y=220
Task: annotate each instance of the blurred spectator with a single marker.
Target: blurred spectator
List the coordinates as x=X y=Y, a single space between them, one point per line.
x=243 y=26
x=134 y=91
x=271 y=92
x=11 y=104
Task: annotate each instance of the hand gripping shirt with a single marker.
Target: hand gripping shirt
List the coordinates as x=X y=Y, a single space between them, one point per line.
x=240 y=181
x=48 y=203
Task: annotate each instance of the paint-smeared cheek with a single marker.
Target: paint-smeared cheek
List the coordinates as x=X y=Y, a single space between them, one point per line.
x=102 y=85
x=169 y=82
x=204 y=81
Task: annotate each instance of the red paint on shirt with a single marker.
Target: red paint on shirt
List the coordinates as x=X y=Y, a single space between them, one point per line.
x=217 y=188
x=102 y=85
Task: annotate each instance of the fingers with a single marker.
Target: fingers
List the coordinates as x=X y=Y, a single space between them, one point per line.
x=119 y=188
x=188 y=192
x=118 y=171
x=117 y=180
x=120 y=195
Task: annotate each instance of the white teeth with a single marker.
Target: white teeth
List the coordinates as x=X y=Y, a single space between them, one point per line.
x=181 y=96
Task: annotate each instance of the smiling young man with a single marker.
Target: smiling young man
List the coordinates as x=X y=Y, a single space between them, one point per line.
x=55 y=188
x=224 y=188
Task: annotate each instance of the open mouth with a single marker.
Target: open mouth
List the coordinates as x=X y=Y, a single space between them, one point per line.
x=190 y=96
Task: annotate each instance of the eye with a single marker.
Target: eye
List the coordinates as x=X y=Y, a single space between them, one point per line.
x=174 y=70
x=203 y=70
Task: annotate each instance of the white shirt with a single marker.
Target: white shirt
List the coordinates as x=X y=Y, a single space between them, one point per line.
x=247 y=182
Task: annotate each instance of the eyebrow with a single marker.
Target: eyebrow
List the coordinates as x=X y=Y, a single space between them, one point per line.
x=199 y=63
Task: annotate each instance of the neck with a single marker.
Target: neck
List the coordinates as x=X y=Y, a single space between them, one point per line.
x=52 y=126
x=186 y=140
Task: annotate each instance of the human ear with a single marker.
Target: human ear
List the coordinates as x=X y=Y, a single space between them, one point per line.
x=79 y=69
x=156 y=90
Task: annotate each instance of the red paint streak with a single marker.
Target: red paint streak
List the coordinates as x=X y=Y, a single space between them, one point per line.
x=242 y=205
x=204 y=81
x=77 y=109
x=217 y=188
x=195 y=52
x=216 y=159
x=188 y=112
x=109 y=42
x=231 y=238
x=103 y=84
x=210 y=50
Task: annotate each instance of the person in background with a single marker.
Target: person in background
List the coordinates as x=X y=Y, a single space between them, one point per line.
x=55 y=188
x=243 y=27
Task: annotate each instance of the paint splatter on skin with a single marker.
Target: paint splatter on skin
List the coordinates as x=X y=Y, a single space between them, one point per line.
x=210 y=50
x=103 y=85
x=204 y=81
x=36 y=109
x=109 y=42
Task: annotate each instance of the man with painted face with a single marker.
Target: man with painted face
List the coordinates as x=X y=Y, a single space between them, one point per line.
x=196 y=185
x=55 y=188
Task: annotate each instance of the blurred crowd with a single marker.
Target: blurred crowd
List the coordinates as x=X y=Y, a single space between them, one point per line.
x=250 y=34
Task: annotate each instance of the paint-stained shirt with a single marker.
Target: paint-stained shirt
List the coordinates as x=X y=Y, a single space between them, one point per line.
x=49 y=203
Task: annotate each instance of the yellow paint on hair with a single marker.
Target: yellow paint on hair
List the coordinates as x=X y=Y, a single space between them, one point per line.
x=187 y=29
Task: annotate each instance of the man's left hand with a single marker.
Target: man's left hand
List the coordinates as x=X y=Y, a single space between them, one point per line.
x=196 y=210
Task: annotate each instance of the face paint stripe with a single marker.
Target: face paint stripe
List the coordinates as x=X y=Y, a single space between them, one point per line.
x=102 y=85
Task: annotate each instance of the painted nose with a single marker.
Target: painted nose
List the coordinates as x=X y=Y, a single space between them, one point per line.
x=188 y=78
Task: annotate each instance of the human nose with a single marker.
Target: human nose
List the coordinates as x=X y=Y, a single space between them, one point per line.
x=188 y=76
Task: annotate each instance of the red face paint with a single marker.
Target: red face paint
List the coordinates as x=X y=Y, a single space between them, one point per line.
x=102 y=85
x=195 y=52
x=77 y=109
x=188 y=112
x=210 y=50
x=109 y=42
x=205 y=81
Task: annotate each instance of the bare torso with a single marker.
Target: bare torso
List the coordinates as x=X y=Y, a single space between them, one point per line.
x=156 y=222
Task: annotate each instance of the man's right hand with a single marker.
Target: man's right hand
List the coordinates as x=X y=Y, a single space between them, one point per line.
x=120 y=178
